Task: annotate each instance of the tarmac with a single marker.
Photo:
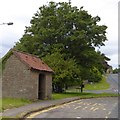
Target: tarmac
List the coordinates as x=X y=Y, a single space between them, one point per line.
x=23 y=111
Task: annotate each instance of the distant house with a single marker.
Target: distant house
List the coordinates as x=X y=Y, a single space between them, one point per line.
x=26 y=76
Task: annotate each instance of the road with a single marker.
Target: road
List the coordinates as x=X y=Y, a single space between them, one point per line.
x=112 y=79
x=84 y=108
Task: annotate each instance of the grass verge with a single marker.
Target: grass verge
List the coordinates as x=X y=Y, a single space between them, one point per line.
x=8 y=103
x=56 y=96
x=102 y=85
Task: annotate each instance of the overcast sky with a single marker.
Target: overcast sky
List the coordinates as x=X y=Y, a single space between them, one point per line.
x=20 y=13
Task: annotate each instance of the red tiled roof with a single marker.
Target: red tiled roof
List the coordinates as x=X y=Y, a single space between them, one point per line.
x=32 y=61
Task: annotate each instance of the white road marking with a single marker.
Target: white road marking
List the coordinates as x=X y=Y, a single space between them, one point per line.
x=95 y=109
x=106 y=117
x=104 y=109
x=109 y=113
x=92 y=108
x=78 y=117
x=95 y=104
x=77 y=107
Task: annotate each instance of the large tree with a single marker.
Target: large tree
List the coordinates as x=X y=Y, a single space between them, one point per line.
x=60 y=23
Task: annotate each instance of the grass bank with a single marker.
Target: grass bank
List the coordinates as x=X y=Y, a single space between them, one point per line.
x=8 y=103
x=56 y=96
x=102 y=85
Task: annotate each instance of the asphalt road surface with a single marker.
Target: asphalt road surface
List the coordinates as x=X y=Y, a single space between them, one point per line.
x=112 y=79
x=84 y=108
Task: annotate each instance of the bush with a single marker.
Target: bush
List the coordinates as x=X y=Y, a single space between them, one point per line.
x=67 y=72
x=95 y=75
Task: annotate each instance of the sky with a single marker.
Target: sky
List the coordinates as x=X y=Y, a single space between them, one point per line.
x=20 y=12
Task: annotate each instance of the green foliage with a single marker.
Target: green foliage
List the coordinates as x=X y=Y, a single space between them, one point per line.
x=116 y=70
x=95 y=75
x=0 y=67
x=92 y=74
x=67 y=72
x=62 y=23
x=78 y=34
x=102 y=85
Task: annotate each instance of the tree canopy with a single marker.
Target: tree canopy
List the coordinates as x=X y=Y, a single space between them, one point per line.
x=116 y=70
x=71 y=29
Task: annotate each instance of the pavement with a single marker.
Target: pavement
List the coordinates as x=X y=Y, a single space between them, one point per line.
x=23 y=111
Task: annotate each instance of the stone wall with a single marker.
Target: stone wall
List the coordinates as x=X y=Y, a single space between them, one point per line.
x=18 y=81
x=48 y=85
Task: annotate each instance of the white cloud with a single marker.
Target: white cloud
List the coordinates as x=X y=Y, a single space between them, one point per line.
x=114 y=61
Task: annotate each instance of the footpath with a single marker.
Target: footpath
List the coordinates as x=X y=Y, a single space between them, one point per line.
x=23 y=111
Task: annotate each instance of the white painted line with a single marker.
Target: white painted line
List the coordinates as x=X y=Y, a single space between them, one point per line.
x=106 y=117
x=95 y=109
x=77 y=107
x=92 y=108
x=94 y=104
x=109 y=113
x=78 y=117
x=104 y=109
